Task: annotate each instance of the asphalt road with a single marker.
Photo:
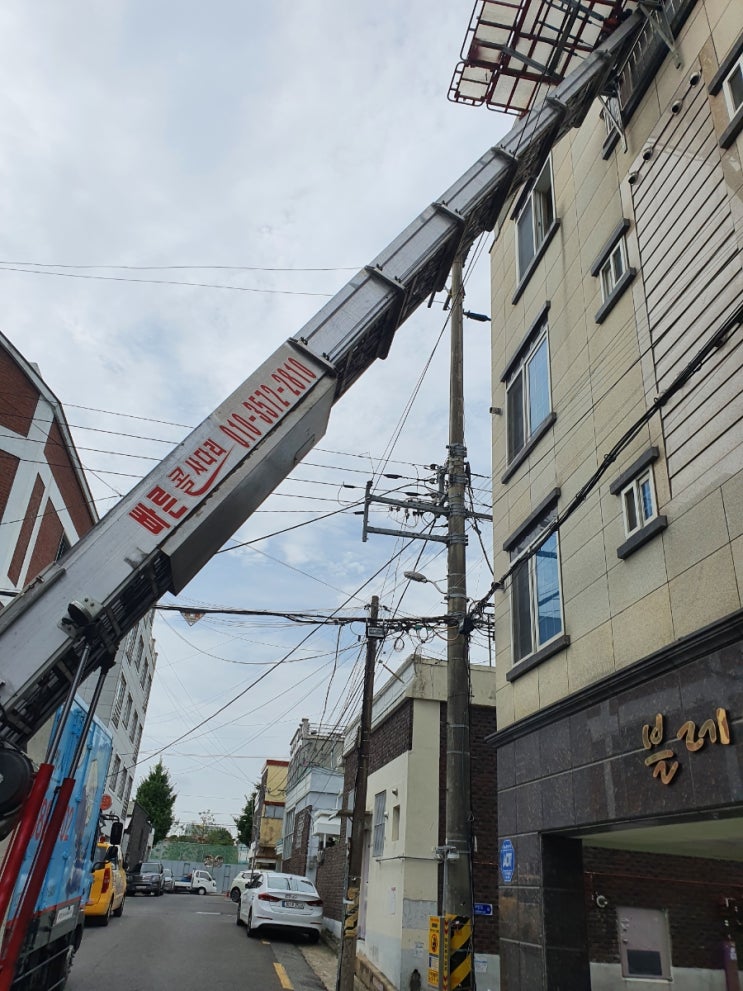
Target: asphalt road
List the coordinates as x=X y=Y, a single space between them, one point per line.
x=187 y=942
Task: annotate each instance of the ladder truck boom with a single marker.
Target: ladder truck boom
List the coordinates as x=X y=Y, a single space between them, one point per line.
x=159 y=536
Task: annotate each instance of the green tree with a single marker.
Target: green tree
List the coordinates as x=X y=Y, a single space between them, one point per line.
x=244 y=823
x=156 y=796
x=221 y=836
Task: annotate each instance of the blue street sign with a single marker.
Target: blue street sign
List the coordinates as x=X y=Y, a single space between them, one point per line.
x=483 y=908
x=507 y=861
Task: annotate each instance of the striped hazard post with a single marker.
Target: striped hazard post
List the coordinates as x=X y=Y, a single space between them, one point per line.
x=460 y=954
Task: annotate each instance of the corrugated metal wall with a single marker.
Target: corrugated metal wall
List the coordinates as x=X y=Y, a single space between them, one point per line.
x=692 y=270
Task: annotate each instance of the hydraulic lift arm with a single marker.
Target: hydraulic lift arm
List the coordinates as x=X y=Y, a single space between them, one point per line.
x=159 y=536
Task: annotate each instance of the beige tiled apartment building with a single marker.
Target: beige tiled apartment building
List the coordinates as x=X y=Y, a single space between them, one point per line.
x=617 y=321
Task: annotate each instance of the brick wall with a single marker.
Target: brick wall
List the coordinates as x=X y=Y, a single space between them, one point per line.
x=56 y=453
x=297 y=862
x=29 y=520
x=688 y=888
x=47 y=542
x=18 y=397
x=8 y=467
x=331 y=878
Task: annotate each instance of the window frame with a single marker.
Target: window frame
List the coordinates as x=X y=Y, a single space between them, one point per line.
x=609 y=278
x=736 y=67
x=721 y=81
x=519 y=546
x=638 y=536
x=642 y=518
x=380 y=806
x=610 y=294
x=541 y=221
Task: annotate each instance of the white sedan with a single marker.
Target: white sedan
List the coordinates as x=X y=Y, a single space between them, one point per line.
x=286 y=901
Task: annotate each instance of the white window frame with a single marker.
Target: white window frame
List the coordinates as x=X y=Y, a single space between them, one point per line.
x=613 y=269
x=380 y=805
x=540 y=208
x=288 y=832
x=519 y=555
x=632 y=495
x=736 y=72
x=521 y=372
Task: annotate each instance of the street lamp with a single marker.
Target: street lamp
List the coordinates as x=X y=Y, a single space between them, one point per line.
x=416 y=576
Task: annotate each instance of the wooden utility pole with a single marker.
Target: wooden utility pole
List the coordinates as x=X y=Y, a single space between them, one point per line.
x=356 y=851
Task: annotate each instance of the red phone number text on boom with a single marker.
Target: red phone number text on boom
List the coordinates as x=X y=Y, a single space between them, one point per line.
x=263 y=408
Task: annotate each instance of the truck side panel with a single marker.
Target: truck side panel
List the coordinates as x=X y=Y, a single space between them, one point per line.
x=68 y=877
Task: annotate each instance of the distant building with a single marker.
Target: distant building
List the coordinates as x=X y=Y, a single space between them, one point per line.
x=45 y=507
x=405 y=820
x=313 y=791
x=268 y=814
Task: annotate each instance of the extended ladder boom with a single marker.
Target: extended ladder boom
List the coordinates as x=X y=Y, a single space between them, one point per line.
x=159 y=536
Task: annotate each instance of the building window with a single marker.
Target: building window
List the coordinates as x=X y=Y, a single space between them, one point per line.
x=122 y=782
x=380 y=802
x=612 y=269
x=143 y=675
x=127 y=712
x=535 y=220
x=636 y=488
x=128 y=792
x=113 y=777
x=536 y=603
x=733 y=88
x=137 y=742
x=147 y=687
x=638 y=503
x=119 y=701
x=135 y=727
x=288 y=831
x=644 y=945
x=273 y=811
x=138 y=653
x=528 y=402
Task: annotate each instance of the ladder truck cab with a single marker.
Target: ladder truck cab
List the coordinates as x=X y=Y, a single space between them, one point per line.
x=68 y=623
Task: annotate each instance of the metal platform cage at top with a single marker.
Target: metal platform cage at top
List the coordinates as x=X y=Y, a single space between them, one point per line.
x=514 y=47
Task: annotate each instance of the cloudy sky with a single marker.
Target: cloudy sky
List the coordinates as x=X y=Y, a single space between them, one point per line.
x=182 y=186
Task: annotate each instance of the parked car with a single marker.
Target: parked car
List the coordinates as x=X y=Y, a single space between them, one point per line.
x=197 y=882
x=168 y=880
x=108 y=890
x=284 y=901
x=147 y=878
x=240 y=882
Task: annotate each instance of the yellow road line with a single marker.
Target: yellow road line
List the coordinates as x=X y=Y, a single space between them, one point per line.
x=283 y=977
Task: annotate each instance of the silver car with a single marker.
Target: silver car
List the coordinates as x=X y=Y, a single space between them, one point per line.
x=168 y=880
x=282 y=901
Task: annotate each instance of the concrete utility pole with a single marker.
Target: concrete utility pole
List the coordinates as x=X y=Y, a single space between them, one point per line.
x=355 y=855
x=457 y=854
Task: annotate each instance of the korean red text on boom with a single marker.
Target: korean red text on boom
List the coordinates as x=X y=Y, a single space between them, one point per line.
x=264 y=407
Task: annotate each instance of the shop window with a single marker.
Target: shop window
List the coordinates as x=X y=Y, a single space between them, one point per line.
x=644 y=945
x=612 y=270
x=636 y=489
x=536 y=598
x=380 y=802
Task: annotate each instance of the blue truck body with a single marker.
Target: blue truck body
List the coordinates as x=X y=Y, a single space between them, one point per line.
x=58 y=918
